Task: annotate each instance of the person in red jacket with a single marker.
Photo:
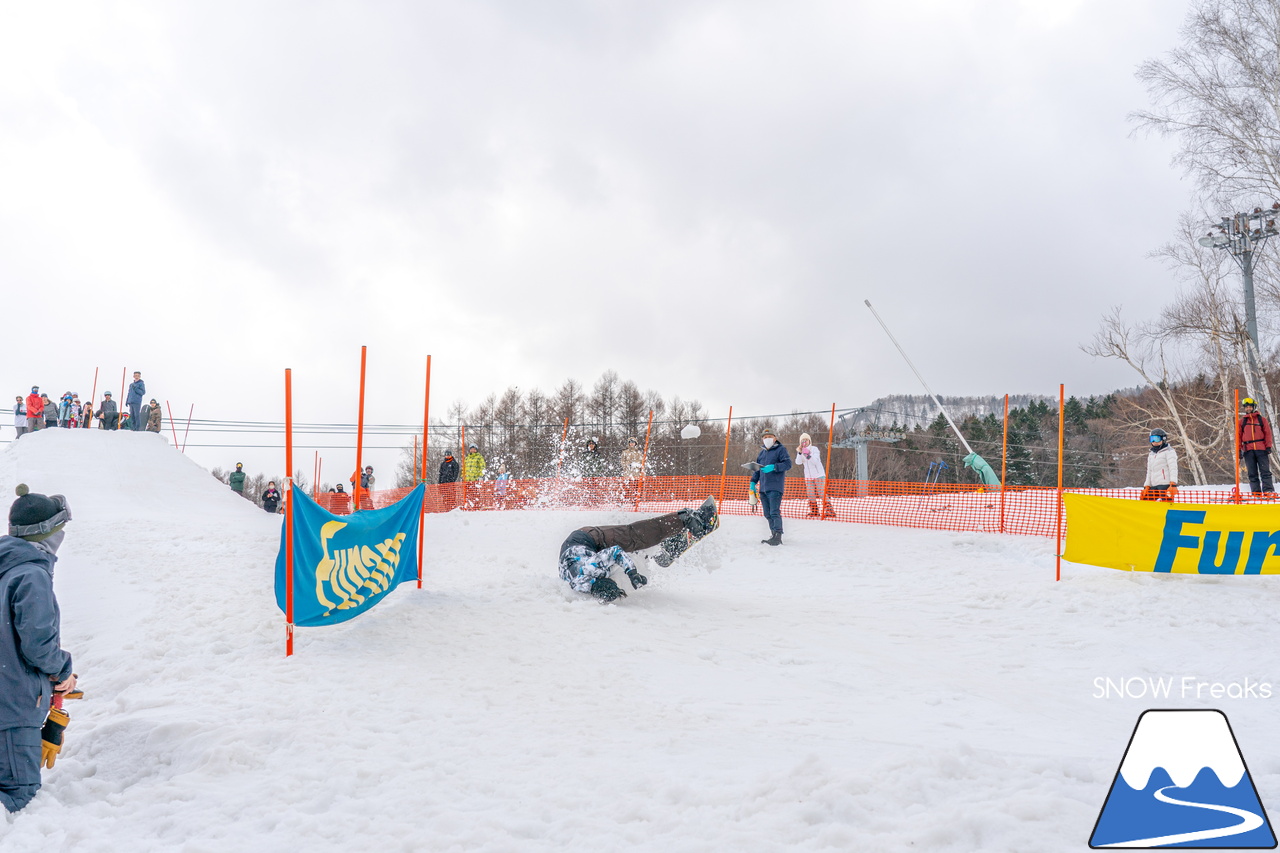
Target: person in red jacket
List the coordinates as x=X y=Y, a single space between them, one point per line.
x=1255 y=447
x=35 y=410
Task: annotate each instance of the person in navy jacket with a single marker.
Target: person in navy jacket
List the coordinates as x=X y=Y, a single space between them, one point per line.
x=769 y=479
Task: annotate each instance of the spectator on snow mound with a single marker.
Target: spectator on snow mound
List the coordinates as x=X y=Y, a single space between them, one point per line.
x=590 y=554
x=236 y=481
x=631 y=460
x=153 y=417
x=271 y=497
x=1255 y=447
x=340 y=503
x=1161 y=483
x=768 y=478
x=86 y=415
x=133 y=400
x=108 y=415
x=815 y=476
x=366 y=485
x=35 y=410
x=50 y=412
x=33 y=666
x=19 y=416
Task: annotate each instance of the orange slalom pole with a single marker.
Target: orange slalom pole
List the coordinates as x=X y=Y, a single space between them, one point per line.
x=355 y=487
x=1062 y=441
x=724 y=463
x=422 y=510
x=830 y=433
x=288 y=511
x=93 y=397
x=1004 y=459
x=315 y=478
x=644 y=457
x=172 y=426
x=187 y=431
x=564 y=436
x=1235 y=413
x=120 y=402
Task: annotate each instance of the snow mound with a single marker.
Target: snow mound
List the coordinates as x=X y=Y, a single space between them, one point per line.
x=118 y=475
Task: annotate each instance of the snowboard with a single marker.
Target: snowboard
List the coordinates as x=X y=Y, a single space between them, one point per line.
x=707 y=519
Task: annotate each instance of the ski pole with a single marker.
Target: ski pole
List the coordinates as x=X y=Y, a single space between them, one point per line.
x=903 y=352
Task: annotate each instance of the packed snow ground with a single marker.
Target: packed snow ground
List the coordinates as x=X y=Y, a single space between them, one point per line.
x=860 y=688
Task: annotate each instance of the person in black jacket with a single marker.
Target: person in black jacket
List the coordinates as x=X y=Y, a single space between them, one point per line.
x=449 y=472
x=107 y=412
x=271 y=498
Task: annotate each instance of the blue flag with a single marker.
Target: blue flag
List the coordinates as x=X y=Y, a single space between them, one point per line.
x=345 y=564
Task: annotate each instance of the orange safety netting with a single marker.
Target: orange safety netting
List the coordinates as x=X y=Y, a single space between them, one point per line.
x=962 y=507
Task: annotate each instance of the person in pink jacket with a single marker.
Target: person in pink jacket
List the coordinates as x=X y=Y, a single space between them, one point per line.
x=809 y=458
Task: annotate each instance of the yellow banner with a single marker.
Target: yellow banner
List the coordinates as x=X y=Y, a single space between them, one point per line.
x=1154 y=536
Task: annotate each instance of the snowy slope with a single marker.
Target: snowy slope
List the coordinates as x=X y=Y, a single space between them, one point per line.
x=860 y=688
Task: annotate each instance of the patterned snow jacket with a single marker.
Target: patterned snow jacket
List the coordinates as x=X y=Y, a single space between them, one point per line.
x=581 y=564
x=473 y=467
x=153 y=418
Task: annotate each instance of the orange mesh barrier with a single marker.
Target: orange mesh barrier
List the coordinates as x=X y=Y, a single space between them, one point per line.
x=961 y=508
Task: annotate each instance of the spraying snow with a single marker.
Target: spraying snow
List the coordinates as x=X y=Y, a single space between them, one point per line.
x=861 y=687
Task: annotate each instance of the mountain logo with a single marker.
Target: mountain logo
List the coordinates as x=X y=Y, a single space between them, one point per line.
x=1183 y=783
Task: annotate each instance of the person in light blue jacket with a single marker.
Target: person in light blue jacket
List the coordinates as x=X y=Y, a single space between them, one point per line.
x=769 y=478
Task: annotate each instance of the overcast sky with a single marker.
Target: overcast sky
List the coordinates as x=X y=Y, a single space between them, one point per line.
x=699 y=195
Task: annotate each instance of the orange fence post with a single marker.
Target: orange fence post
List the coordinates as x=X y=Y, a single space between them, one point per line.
x=288 y=511
x=1235 y=413
x=644 y=458
x=422 y=510
x=355 y=487
x=830 y=432
x=1004 y=459
x=172 y=425
x=564 y=436
x=724 y=463
x=1062 y=441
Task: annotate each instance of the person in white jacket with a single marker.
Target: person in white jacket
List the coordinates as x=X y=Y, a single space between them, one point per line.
x=1162 y=469
x=815 y=476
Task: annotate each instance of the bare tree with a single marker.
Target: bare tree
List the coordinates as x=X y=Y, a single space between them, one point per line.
x=1144 y=348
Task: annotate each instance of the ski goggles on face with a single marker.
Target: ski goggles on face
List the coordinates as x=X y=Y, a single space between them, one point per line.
x=1156 y=439
x=49 y=525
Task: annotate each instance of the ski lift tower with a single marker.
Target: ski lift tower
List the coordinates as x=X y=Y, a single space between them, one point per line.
x=859 y=441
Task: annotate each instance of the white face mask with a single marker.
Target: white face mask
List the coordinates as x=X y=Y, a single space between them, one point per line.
x=768 y=442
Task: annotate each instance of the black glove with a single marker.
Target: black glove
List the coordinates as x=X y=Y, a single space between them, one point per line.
x=637 y=580
x=606 y=590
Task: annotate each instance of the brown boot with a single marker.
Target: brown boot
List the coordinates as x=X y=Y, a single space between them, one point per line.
x=830 y=510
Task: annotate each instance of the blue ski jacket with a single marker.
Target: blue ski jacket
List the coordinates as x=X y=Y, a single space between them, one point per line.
x=136 y=389
x=31 y=655
x=775 y=479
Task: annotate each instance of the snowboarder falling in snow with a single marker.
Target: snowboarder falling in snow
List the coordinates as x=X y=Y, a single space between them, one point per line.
x=590 y=554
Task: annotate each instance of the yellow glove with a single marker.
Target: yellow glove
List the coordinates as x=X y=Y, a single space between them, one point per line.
x=51 y=736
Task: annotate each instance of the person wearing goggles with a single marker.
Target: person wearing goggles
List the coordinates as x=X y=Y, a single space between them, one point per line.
x=1254 y=434
x=1162 y=469
x=35 y=671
